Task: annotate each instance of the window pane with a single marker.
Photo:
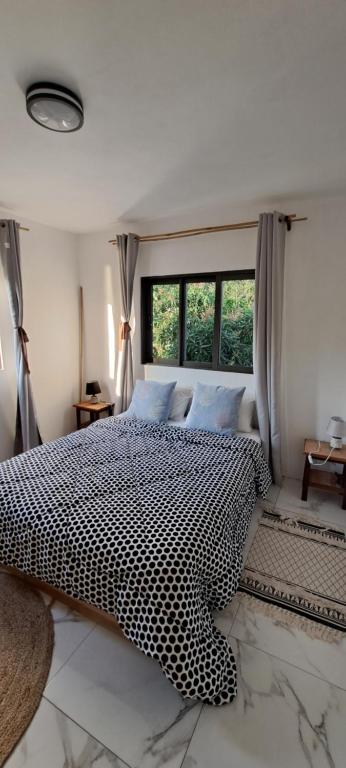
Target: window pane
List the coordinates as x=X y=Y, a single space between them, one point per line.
x=237 y=322
x=165 y=302
x=199 y=328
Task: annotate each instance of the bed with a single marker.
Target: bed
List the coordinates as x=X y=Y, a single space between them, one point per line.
x=146 y=522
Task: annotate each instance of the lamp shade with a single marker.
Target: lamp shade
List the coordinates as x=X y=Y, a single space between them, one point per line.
x=336 y=427
x=92 y=388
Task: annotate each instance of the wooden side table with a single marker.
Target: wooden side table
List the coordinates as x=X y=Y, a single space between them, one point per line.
x=314 y=477
x=94 y=410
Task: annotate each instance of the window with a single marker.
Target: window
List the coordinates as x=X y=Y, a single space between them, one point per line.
x=199 y=321
x=237 y=299
x=165 y=321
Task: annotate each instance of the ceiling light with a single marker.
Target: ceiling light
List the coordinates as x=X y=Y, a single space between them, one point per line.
x=54 y=107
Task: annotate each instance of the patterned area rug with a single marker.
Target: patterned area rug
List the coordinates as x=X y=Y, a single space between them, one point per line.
x=300 y=565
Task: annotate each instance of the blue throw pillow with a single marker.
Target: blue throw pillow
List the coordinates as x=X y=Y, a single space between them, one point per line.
x=215 y=409
x=151 y=401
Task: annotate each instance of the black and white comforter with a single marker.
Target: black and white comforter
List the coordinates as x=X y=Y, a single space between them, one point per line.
x=148 y=522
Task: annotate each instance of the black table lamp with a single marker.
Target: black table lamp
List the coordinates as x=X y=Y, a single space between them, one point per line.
x=93 y=389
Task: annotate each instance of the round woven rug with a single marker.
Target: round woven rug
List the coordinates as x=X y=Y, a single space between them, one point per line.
x=26 y=645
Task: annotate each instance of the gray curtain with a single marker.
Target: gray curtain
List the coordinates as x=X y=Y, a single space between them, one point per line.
x=128 y=252
x=27 y=434
x=270 y=262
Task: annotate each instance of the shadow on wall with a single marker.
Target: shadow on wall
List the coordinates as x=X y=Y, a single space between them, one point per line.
x=7 y=422
x=8 y=384
x=8 y=390
x=100 y=306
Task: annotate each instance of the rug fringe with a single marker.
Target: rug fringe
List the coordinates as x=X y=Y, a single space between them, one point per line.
x=279 y=615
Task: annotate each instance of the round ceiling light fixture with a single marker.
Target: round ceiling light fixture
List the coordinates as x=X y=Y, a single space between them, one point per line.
x=54 y=107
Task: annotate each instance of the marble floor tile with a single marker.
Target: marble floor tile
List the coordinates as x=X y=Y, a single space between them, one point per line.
x=48 y=600
x=224 y=619
x=323 y=506
x=252 y=529
x=70 y=629
x=54 y=741
x=272 y=495
x=281 y=718
x=304 y=643
x=122 y=698
x=267 y=503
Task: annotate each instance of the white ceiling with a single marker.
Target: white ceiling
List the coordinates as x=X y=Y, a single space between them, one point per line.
x=188 y=103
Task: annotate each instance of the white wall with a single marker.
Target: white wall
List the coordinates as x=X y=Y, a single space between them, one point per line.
x=315 y=326
x=99 y=278
x=222 y=251
x=187 y=377
x=314 y=320
x=314 y=344
x=50 y=286
x=100 y=281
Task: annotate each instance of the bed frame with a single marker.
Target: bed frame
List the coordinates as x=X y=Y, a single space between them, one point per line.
x=85 y=609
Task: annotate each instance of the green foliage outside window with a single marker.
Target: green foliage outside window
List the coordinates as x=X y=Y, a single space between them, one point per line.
x=236 y=322
x=199 y=329
x=165 y=321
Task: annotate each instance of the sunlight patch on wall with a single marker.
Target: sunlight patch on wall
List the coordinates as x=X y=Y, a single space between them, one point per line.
x=111 y=341
x=108 y=295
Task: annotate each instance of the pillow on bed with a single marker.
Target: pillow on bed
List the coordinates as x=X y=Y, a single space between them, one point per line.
x=246 y=413
x=215 y=409
x=179 y=403
x=151 y=401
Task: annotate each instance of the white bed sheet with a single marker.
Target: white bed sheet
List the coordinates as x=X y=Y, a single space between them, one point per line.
x=253 y=435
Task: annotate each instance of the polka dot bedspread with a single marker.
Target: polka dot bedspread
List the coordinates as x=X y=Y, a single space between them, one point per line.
x=147 y=522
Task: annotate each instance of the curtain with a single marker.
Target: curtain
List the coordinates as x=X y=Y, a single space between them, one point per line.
x=27 y=433
x=270 y=262
x=128 y=252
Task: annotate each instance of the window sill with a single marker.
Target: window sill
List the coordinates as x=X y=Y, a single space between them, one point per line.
x=202 y=366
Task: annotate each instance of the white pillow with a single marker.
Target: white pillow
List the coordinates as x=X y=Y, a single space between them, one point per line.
x=179 y=403
x=246 y=415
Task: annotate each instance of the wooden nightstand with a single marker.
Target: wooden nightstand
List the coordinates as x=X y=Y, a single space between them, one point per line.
x=314 y=477
x=94 y=409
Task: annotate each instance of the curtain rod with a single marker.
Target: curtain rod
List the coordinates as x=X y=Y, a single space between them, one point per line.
x=290 y=219
x=25 y=229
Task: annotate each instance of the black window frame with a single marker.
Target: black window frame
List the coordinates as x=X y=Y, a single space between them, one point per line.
x=182 y=281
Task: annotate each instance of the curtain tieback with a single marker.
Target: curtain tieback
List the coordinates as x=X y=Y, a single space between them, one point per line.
x=24 y=338
x=124 y=332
